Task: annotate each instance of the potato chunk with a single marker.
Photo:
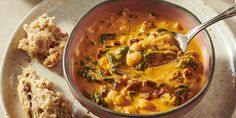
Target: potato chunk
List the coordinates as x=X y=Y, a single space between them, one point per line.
x=111 y=96
x=145 y=104
x=121 y=100
x=130 y=109
x=168 y=99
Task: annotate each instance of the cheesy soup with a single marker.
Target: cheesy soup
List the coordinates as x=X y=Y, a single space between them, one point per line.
x=130 y=62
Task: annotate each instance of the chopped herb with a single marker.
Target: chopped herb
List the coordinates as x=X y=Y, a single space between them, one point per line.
x=182 y=90
x=108 y=79
x=131 y=51
x=95 y=62
x=102 y=41
x=115 y=60
x=81 y=62
x=104 y=50
x=181 y=86
x=147 y=54
x=141 y=66
x=100 y=73
x=94 y=74
x=89 y=71
x=84 y=72
x=90 y=59
x=121 y=52
x=104 y=37
x=180 y=79
x=112 y=62
x=97 y=98
x=177 y=102
x=113 y=69
x=162 y=30
x=132 y=93
x=111 y=58
x=186 y=61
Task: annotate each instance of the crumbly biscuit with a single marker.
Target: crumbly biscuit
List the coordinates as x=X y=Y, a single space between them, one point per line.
x=44 y=40
x=39 y=98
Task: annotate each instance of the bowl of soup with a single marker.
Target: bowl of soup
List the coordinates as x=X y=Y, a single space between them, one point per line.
x=122 y=60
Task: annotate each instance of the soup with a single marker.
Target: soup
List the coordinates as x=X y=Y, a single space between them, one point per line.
x=130 y=62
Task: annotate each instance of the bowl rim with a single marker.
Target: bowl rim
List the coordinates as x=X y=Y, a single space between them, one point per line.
x=176 y=109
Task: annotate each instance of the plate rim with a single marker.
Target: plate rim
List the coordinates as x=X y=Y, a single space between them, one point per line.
x=5 y=55
x=42 y=3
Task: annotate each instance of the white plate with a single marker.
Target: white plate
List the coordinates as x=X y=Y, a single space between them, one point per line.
x=219 y=101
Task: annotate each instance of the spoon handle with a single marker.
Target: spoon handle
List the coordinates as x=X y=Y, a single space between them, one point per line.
x=226 y=14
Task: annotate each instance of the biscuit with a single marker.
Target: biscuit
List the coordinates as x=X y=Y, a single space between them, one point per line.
x=39 y=97
x=44 y=41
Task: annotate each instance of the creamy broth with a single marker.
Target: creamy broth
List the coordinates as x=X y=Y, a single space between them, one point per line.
x=129 y=62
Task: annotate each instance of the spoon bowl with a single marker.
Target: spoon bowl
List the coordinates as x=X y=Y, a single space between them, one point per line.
x=184 y=40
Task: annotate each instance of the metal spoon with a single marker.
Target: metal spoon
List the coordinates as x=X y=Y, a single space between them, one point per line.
x=185 y=39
